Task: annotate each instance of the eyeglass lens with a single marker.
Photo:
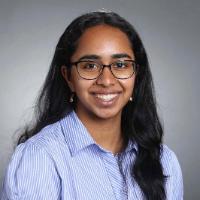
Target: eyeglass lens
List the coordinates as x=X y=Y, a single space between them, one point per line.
x=120 y=69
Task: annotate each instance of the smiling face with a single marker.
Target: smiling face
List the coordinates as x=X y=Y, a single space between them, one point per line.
x=105 y=96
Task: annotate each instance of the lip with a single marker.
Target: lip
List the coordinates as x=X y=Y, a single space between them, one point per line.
x=106 y=98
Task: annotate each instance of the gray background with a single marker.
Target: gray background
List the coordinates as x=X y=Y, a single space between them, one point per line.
x=170 y=31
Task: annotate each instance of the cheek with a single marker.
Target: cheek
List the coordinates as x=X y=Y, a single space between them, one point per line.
x=79 y=85
x=82 y=86
x=132 y=84
x=129 y=85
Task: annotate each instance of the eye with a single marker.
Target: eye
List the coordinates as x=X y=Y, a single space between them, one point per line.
x=120 y=64
x=89 y=66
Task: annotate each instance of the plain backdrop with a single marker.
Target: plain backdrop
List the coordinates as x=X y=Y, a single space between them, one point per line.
x=170 y=30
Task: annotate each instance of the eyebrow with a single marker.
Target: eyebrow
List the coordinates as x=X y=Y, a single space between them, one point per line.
x=91 y=56
x=96 y=57
x=121 y=55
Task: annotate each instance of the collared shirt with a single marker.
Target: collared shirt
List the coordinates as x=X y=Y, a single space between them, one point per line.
x=63 y=162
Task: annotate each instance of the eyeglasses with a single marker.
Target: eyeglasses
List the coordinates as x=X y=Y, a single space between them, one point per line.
x=90 y=70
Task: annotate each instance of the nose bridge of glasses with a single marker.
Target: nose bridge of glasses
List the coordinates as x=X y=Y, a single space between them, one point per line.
x=106 y=72
x=108 y=66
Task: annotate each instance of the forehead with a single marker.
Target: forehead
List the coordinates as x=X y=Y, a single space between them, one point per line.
x=103 y=40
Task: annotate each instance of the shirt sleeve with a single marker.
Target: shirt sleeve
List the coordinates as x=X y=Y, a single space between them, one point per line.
x=30 y=175
x=172 y=169
x=177 y=179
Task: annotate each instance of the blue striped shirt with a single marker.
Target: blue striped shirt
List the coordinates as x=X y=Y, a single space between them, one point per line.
x=63 y=162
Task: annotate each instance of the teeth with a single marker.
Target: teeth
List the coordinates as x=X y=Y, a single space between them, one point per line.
x=106 y=97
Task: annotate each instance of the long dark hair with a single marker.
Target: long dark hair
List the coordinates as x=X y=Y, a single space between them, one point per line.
x=140 y=121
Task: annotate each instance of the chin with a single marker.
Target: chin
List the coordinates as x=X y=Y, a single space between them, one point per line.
x=107 y=114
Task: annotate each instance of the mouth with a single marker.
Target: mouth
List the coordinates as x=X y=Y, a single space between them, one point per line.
x=106 y=97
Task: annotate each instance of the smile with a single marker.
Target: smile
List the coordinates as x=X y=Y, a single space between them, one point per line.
x=106 y=97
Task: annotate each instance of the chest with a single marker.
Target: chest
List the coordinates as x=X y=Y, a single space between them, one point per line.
x=98 y=176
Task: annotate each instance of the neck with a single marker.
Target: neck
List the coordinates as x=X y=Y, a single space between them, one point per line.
x=106 y=132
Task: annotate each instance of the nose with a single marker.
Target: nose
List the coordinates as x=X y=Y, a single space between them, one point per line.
x=106 y=78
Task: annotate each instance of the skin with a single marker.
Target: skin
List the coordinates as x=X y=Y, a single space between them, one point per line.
x=102 y=117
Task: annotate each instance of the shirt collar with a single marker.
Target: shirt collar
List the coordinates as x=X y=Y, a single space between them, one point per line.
x=132 y=146
x=77 y=136
x=75 y=133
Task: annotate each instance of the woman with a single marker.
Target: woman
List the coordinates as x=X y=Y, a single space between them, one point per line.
x=97 y=134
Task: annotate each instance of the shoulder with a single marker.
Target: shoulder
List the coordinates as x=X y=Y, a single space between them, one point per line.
x=167 y=153
x=169 y=161
x=33 y=163
x=168 y=157
x=40 y=149
x=39 y=146
x=47 y=140
x=173 y=173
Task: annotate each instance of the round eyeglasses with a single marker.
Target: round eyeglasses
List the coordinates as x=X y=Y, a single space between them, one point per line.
x=90 y=70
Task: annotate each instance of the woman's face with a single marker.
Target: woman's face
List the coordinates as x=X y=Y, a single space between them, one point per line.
x=105 y=96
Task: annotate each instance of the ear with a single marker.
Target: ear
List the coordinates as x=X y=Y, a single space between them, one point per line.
x=65 y=75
